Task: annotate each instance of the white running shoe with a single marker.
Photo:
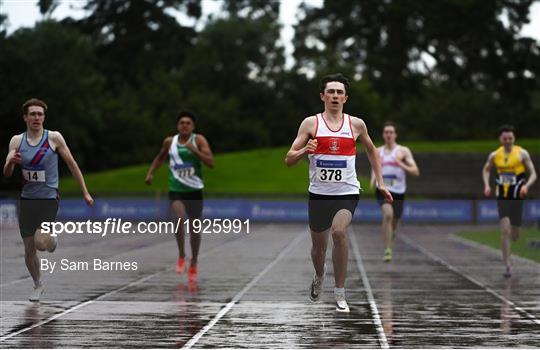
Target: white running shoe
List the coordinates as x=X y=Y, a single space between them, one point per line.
x=316 y=286
x=36 y=294
x=341 y=303
x=54 y=244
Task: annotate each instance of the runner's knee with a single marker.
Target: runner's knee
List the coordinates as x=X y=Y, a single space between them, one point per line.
x=338 y=234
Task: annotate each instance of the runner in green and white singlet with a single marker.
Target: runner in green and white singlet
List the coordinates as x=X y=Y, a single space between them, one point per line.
x=187 y=152
x=185 y=168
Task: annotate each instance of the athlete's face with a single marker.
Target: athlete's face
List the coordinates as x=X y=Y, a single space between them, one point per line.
x=389 y=134
x=334 y=96
x=185 y=126
x=34 y=118
x=507 y=138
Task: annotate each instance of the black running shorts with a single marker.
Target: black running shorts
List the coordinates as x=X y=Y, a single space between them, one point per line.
x=323 y=208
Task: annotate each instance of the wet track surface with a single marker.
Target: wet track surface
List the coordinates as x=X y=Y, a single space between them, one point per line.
x=252 y=292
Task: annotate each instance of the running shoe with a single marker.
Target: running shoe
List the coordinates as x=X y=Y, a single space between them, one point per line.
x=54 y=244
x=180 y=265
x=192 y=273
x=36 y=294
x=387 y=255
x=316 y=286
x=341 y=303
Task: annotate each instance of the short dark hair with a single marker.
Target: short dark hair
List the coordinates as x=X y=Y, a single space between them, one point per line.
x=335 y=77
x=188 y=114
x=392 y=124
x=506 y=128
x=33 y=102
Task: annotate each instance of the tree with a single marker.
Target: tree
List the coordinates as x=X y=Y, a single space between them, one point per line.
x=56 y=64
x=389 y=42
x=231 y=76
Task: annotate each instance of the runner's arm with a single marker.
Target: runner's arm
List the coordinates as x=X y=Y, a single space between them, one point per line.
x=372 y=174
x=485 y=174
x=204 y=153
x=13 y=157
x=373 y=157
x=408 y=163
x=532 y=172
x=302 y=144
x=158 y=160
x=63 y=150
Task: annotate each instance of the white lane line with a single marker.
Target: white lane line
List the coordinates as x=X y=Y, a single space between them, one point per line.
x=238 y=296
x=372 y=304
x=103 y=296
x=470 y=279
x=15 y=281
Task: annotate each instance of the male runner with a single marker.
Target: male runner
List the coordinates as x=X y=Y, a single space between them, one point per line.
x=329 y=139
x=36 y=151
x=511 y=161
x=186 y=151
x=396 y=162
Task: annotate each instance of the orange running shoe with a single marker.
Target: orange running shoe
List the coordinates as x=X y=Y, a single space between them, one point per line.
x=180 y=265
x=192 y=273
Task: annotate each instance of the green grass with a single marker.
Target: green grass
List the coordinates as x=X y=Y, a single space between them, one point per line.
x=522 y=247
x=252 y=172
x=481 y=146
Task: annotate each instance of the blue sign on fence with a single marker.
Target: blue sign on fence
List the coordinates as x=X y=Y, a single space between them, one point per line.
x=438 y=211
x=449 y=211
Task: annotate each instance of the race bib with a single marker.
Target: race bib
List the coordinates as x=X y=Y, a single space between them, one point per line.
x=184 y=170
x=507 y=179
x=331 y=170
x=33 y=175
x=389 y=180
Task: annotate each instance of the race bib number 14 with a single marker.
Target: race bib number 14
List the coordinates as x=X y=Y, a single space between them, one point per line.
x=33 y=175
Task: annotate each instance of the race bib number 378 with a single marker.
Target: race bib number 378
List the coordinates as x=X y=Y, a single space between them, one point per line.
x=331 y=170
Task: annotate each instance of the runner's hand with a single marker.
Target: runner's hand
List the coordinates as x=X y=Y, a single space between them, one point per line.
x=523 y=192
x=190 y=147
x=487 y=191
x=16 y=158
x=149 y=179
x=88 y=199
x=386 y=194
x=311 y=146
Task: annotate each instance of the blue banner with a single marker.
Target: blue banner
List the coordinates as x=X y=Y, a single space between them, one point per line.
x=435 y=211
x=73 y=209
x=438 y=211
x=131 y=209
x=486 y=211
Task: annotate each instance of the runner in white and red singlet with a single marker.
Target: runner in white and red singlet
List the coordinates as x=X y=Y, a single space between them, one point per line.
x=329 y=138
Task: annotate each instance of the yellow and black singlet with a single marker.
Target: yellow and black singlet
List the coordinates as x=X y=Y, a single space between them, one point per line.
x=510 y=173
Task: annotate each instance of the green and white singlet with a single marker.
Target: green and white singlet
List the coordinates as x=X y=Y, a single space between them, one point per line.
x=185 y=169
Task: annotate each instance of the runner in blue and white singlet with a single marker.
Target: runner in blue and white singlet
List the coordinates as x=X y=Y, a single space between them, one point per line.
x=39 y=168
x=36 y=152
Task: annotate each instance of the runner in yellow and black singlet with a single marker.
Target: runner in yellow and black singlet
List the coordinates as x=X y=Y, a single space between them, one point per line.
x=511 y=162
